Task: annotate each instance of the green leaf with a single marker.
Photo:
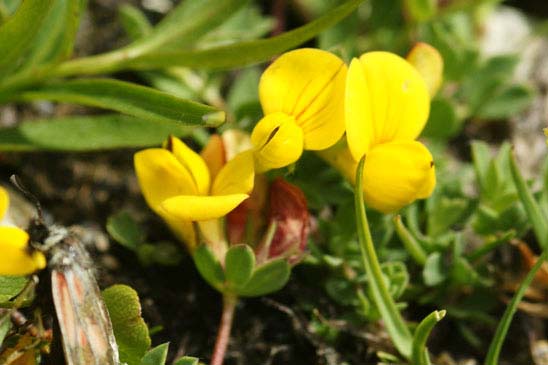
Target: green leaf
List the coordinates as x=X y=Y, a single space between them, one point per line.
x=492 y=357
x=443 y=121
x=188 y=22
x=239 y=265
x=244 y=53
x=19 y=31
x=187 y=360
x=246 y=24
x=209 y=267
x=125 y=230
x=507 y=101
x=267 y=278
x=88 y=133
x=5 y=326
x=434 y=269
x=55 y=41
x=534 y=213
x=133 y=20
x=481 y=158
x=10 y=286
x=139 y=101
x=443 y=213
x=397 y=275
x=130 y=329
x=420 y=352
x=161 y=253
x=421 y=10
x=156 y=356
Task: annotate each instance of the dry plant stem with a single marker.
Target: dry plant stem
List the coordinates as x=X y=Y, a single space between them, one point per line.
x=223 y=333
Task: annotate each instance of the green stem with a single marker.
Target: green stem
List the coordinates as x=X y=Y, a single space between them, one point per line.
x=420 y=353
x=225 y=326
x=395 y=325
x=409 y=242
x=536 y=217
x=502 y=329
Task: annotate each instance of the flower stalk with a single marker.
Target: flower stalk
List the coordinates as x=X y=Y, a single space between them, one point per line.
x=395 y=325
x=225 y=327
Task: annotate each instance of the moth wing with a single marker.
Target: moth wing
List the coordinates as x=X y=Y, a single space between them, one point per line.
x=83 y=318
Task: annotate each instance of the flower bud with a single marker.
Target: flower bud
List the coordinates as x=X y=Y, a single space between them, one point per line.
x=288 y=210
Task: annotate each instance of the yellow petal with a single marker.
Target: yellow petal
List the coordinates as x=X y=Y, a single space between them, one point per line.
x=277 y=142
x=16 y=259
x=201 y=208
x=236 y=177
x=4 y=202
x=214 y=155
x=307 y=84
x=392 y=105
x=396 y=174
x=161 y=176
x=235 y=141
x=193 y=162
x=359 y=123
x=183 y=230
x=428 y=61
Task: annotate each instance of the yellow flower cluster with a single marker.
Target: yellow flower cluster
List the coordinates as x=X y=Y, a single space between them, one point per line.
x=310 y=98
x=17 y=257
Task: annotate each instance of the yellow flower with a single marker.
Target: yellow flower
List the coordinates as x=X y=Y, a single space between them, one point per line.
x=16 y=257
x=302 y=96
x=178 y=185
x=386 y=107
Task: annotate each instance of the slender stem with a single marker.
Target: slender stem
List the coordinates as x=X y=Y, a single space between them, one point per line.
x=225 y=326
x=395 y=325
x=502 y=329
x=409 y=242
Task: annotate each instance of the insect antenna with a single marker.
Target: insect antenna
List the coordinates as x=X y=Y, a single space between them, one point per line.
x=37 y=230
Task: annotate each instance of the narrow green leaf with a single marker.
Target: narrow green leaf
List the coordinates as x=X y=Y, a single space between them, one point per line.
x=10 y=286
x=88 y=133
x=156 y=356
x=187 y=360
x=125 y=230
x=133 y=20
x=130 y=329
x=492 y=357
x=536 y=218
x=267 y=278
x=5 y=326
x=209 y=267
x=222 y=57
x=188 y=22
x=482 y=159
x=139 y=101
x=244 y=53
x=420 y=352
x=239 y=265
x=55 y=41
x=18 y=32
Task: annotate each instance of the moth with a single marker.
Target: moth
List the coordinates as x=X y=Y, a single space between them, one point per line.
x=86 y=330
x=85 y=325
